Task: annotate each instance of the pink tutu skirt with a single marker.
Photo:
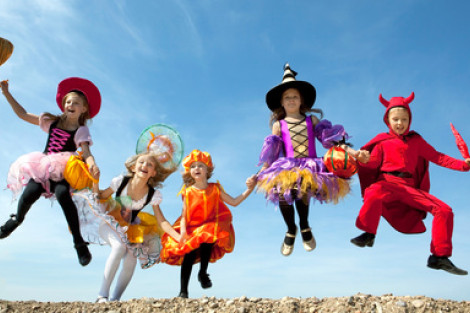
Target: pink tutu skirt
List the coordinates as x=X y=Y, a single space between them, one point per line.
x=37 y=166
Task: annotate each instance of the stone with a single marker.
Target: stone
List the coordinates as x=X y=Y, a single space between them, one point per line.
x=417 y=303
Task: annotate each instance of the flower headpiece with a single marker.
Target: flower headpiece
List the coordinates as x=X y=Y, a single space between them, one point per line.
x=163 y=141
x=197 y=156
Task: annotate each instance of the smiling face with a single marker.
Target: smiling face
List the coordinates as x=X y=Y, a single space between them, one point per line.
x=145 y=167
x=198 y=171
x=291 y=101
x=74 y=106
x=398 y=120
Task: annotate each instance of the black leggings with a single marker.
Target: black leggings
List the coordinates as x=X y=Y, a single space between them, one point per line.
x=287 y=211
x=61 y=189
x=205 y=253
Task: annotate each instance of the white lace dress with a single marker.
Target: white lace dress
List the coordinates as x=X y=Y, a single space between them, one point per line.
x=141 y=235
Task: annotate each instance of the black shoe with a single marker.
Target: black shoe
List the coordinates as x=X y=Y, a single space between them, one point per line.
x=204 y=280
x=365 y=239
x=443 y=263
x=9 y=226
x=183 y=294
x=84 y=255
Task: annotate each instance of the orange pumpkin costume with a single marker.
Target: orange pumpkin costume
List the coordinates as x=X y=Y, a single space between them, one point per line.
x=208 y=220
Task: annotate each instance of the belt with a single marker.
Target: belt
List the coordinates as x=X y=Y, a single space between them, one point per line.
x=400 y=174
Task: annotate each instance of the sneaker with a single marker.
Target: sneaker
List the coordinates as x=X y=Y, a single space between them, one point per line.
x=308 y=239
x=84 y=255
x=204 y=280
x=443 y=263
x=365 y=239
x=101 y=299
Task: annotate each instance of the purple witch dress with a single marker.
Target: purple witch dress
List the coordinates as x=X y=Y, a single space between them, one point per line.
x=304 y=172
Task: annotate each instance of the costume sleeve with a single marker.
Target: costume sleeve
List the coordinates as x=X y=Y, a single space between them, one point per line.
x=156 y=198
x=432 y=155
x=220 y=186
x=83 y=135
x=116 y=182
x=328 y=134
x=45 y=122
x=271 y=150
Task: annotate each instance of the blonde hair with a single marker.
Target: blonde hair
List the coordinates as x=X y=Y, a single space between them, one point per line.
x=280 y=113
x=84 y=117
x=189 y=181
x=162 y=172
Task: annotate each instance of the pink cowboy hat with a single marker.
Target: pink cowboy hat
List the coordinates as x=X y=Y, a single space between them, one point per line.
x=84 y=86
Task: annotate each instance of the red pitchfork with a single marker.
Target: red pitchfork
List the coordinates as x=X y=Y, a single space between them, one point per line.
x=460 y=143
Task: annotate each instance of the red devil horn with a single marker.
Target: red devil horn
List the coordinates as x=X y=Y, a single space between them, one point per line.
x=410 y=98
x=383 y=101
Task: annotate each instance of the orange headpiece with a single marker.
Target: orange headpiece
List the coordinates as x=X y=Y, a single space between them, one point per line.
x=197 y=156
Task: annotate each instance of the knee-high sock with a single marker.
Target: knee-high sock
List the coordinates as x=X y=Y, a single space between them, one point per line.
x=287 y=211
x=186 y=269
x=206 y=250
x=302 y=211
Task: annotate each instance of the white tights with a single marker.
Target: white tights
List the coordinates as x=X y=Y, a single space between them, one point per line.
x=119 y=252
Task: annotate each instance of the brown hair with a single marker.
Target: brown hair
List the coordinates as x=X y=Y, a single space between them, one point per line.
x=188 y=180
x=280 y=113
x=162 y=173
x=84 y=117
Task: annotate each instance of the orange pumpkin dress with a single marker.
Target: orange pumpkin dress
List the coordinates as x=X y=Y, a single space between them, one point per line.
x=208 y=220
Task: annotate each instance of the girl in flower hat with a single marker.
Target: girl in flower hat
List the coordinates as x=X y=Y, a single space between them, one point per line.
x=121 y=221
x=205 y=224
x=42 y=173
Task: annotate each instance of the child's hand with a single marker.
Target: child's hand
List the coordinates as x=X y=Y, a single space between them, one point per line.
x=4 y=85
x=178 y=238
x=126 y=215
x=95 y=174
x=363 y=156
x=183 y=237
x=251 y=182
x=467 y=161
x=94 y=171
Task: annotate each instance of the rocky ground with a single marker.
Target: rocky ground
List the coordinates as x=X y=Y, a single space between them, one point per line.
x=359 y=303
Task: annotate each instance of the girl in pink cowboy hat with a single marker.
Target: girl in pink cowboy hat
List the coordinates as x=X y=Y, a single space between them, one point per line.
x=41 y=173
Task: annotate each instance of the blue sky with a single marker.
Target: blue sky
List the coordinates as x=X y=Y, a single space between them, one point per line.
x=204 y=68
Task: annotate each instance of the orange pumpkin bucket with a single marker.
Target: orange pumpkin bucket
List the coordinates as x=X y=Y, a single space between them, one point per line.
x=6 y=49
x=340 y=163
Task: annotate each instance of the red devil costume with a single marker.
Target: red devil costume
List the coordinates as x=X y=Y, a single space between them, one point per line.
x=395 y=184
